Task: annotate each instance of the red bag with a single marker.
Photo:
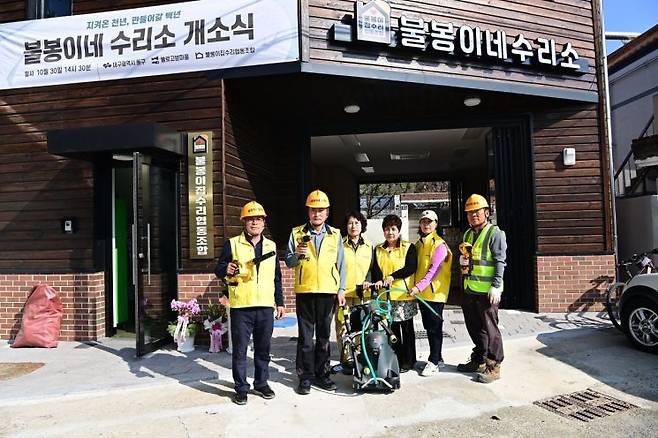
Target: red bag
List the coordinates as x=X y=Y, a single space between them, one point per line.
x=42 y=318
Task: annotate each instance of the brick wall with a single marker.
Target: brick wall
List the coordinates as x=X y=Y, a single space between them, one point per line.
x=82 y=296
x=572 y=283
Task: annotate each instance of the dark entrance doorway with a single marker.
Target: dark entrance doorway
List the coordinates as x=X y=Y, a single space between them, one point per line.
x=491 y=158
x=143 y=247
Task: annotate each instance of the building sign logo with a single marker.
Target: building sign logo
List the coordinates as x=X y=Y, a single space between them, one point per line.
x=157 y=40
x=373 y=21
x=200 y=195
x=446 y=40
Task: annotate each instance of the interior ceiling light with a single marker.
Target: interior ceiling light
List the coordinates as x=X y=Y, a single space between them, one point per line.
x=404 y=157
x=119 y=157
x=352 y=108
x=368 y=169
x=472 y=100
x=361 y=158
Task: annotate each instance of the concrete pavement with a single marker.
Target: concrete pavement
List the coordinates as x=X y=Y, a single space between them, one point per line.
x=100 y=390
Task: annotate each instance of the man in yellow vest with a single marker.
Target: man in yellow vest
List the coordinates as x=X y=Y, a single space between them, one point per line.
x=483 y=287
x=433 y=285
x=315 y=250
x=249 y=264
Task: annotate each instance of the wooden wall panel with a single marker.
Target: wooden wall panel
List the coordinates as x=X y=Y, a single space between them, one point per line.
x=570 y=208
x=37 y=188
x=565 y=22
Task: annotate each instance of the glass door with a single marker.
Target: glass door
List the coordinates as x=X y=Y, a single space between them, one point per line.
x=154 y=251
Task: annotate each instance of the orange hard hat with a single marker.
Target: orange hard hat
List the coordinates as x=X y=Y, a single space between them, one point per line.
x=475 y=202
x=251 y=209
x=317 y=199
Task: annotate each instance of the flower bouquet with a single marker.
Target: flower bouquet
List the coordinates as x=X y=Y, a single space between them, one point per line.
x=185 y=327
x=216 y=324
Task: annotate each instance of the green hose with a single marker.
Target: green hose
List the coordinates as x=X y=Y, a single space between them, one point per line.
x=364 y=349
x=416 y=297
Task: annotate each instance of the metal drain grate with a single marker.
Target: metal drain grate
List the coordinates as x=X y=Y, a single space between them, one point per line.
x=585 y=405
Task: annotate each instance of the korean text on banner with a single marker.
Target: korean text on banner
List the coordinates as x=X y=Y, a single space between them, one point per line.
x=176 y=38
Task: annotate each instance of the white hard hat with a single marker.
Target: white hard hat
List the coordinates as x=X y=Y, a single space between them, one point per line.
x=429 y=214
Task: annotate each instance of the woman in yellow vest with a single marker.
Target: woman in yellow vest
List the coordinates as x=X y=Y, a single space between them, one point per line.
x=358 y=260
x=394 y=268
x=433 y=285
x=250 y=266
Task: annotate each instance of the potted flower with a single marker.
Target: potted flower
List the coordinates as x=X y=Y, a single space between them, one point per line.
x=185 y=328
x=216 y=323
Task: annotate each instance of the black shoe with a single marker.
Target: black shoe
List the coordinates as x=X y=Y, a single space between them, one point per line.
x=304 y=387
x=471 y=367
x=404 y=370
x=325 y=383
x=265 y=392
x=240 y=398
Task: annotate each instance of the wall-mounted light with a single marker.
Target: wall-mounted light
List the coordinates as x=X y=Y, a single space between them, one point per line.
x=472 y=100
x=352 y=108
x=569 y=156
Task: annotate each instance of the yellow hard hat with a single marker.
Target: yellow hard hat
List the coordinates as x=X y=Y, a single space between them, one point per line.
x=252 y=209
x=317 y=199
x=475 y=202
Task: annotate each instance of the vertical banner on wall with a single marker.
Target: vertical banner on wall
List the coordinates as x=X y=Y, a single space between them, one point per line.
x=199 y=195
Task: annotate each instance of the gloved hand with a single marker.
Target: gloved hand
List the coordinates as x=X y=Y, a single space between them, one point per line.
x=463 y=261
x=494 y=294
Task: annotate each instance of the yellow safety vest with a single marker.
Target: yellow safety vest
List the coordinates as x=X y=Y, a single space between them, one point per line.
x=482 y=262
x=357 y=264
x=439 y=287
x=258 y=289
x=391 y=261
x=318 y=272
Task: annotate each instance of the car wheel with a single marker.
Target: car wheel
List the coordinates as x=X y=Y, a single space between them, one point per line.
x=640 y=322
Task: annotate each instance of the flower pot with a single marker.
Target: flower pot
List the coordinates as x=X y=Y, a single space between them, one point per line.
x=187 y=345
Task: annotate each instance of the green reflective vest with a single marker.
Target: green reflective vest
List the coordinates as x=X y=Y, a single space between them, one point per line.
x=482 y=263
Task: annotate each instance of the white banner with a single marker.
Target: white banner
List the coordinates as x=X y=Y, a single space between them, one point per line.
x=158 y=40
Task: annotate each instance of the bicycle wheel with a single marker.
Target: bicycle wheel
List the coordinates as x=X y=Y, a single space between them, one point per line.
x=612 y=295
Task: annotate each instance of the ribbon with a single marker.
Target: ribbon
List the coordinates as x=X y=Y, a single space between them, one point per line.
x=180 y=335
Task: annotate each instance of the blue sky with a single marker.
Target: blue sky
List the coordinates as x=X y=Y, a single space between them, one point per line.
x=628 y=16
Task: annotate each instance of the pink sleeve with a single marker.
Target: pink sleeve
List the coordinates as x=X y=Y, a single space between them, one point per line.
x=438 y=257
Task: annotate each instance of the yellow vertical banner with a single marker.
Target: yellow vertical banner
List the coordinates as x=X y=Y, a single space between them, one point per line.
x=199 y=195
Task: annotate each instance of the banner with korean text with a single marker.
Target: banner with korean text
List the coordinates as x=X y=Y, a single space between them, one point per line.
x=175 y=38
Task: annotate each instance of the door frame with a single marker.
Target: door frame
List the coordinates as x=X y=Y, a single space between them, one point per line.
x=103 y=165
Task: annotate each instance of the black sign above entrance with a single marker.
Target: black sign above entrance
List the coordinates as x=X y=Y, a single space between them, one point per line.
x=373 y=24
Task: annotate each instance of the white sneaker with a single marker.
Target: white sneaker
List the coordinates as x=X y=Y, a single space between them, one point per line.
x=429 y=370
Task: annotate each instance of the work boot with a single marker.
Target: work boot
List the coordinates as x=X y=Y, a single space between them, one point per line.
x=240 y=398
x=325 y=383
x=491 y=373
x=471 y=367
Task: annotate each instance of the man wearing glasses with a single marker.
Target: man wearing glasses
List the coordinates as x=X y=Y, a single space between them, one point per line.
x=249 y=265
x=483 y=287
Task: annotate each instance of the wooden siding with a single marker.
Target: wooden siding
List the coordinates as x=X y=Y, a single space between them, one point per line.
x=565 y=21
x=37 y=188
x=570 y=208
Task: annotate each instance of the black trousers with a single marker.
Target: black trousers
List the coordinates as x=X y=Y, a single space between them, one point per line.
x=481 y=319
x=434 y=327
x=405 y=347
x=315 y=312
x=246 y=321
